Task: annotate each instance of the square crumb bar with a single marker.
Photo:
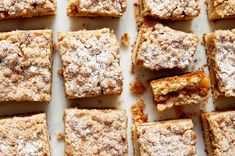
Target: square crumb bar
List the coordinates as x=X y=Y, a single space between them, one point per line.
x=173 y=137
x=91 y=63
x=170 y=9
x=219 y=130
x=10 y=9
x=26 y=135
x=219 y=9
x=220 y=49
x=95 y=132
x=192 y=88
x=25 y=65
x=92 y=8
x=160 y=47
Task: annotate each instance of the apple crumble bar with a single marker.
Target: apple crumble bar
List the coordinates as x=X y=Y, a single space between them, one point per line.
x=160 y=47
x=192 y=88
x=26 y=135
x=219 y=130
x=113 y=8
x=95 y=132
x=170 y=9
x=91 y=63
x=219 y=9
x=25 y=65
x=220 y=49
x=173 y=137
x=26 y=8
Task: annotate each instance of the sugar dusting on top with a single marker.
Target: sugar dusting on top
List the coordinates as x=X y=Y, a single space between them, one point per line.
x=224 y=7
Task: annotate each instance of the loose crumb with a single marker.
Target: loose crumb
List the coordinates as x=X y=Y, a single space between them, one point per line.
x=138 y=114
x=60 y=71
x=60 y=136
x=137 y=87
x=125 y=39
x=136 y=4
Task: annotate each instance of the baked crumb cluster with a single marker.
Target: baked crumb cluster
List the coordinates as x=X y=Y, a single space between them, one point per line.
x=219 y=9
x=219 y=130
x=91 y=63
x=171 y=9
x=113 y=8
x=26 y=8
x=166 y=138
x=192 y=88
x=95 y=132
x=25 y=65
x=220 y=47
x=160 y=47
x=24 y=136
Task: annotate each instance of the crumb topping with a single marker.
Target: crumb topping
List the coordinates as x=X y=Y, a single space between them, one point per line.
x=171 y=9
x=224 y=7
x=91 y=63
x=168 y=138
x=24 y=136
x=224 y=55
x=25 y=65
x=222 y=127
x=96 y=132
x=161 y=47
x=22 y=7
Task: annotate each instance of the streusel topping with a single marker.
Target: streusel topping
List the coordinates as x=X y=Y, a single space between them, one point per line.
x=164 y=48
x=96 y=132
x=169 y=138
x=171 y=9
x=223 y=131
x=25 y=64
x=224 y=55
x=224 y=7
x=24 y=136
x=91 y=63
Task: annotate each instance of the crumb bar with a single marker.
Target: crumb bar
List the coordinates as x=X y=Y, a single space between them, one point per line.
x=25 y=65
x=170 y=9
x=220 y=9
x=160 y=47
x=192 y=88
x=95 y=132
x=26 y=135
x=92 y=8
x=10 y=9
x=219 y=130
x=220 y=49
x=173 y=137
x=91 y=63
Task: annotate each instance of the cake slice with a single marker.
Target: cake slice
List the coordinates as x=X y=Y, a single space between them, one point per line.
x=170 y=9
x=91 y=63
x=173 y=137
x=25 y=65
x=192 y=88
x=220 y=49
x=219 y=130
x=26 y=135
x=10 y=9
x=92 y=8
x=160 y=47
x=95 y=132
x=220 y=9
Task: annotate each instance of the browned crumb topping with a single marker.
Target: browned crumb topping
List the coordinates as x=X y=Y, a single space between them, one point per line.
x=24 y=136
x=224 y=7
x=171 y=9
x=95 y=132
x=222 y=130
x=125 y=39
x=96 y=7
x=138 y=114
x=137 y=87
x=91 y=63
x=167 y=138
x=26 y=8
x=25 y=65
x=160 y=47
